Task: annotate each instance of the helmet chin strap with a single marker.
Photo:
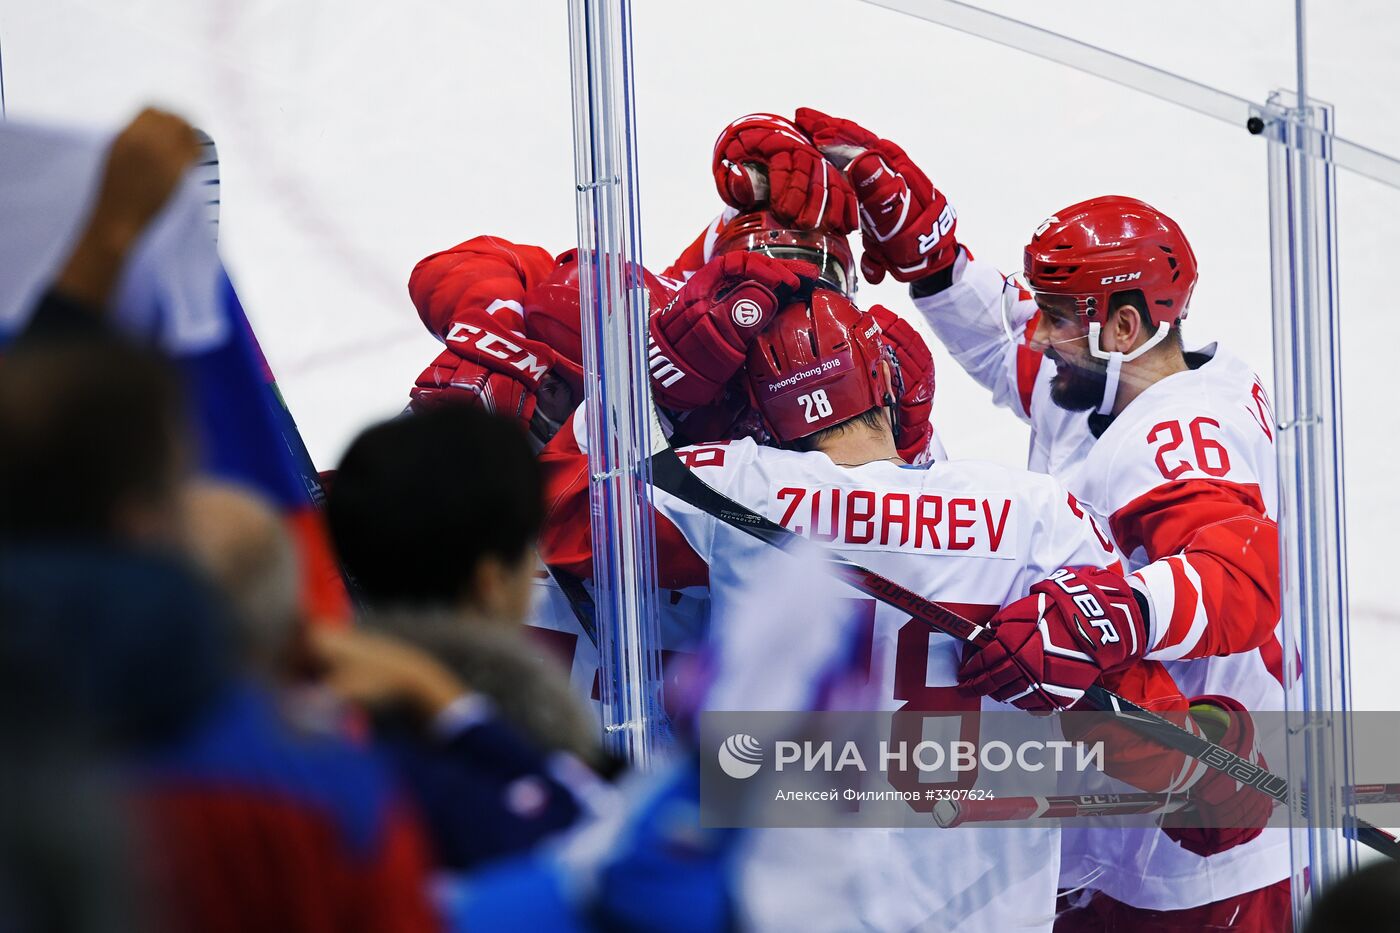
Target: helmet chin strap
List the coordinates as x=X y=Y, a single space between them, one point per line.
x=1116 y=359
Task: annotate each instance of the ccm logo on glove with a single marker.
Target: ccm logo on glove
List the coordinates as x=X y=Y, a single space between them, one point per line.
x=494 y=345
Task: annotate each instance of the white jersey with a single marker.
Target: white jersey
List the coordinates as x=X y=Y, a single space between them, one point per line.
x=1185 y=480
x=970 y=534
x=975 y=535
x=556 y=630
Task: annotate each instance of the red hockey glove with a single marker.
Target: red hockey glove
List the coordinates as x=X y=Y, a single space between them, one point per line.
x=702 y=337
x=1224 y=813
x=485 y=276
x=1051 y=646
x=499 y=370
x=914 y=381
x=803 y=188
x=908 y=227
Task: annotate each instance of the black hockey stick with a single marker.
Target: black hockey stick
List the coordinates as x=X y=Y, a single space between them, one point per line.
x=670 y=475
x=580 y=603
x=955 y=812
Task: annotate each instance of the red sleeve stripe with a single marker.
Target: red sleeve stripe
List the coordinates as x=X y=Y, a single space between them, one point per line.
x=1184 y=633
x=1177 y=617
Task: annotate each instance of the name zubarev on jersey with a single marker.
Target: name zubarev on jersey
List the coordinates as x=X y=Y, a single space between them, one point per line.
x=926 y=521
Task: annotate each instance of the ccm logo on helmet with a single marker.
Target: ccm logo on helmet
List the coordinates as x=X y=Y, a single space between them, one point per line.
x=494 y=345
x=1125 y=277
x=1086 y=602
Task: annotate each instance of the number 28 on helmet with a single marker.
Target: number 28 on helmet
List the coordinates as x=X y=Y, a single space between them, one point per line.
x=819 y=363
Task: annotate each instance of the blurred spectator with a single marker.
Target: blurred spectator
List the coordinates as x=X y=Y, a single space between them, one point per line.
x=95 y=443
x=108 y=643
x=114 y=652
x=348 y=854
x=255 y=825
x=244 y=547
x=434 y=516
x=653 y=863
x=103 y=622
x=144 y=163
x=440 y=510
x=505 y=664
x=1367 y=901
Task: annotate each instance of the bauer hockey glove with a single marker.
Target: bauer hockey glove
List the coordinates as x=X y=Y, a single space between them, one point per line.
x=702 y=337
x=498 y=370
x=804 y=190
x=1051 y=646
x=913 y=382
x=907 y=226
x=1224 y=813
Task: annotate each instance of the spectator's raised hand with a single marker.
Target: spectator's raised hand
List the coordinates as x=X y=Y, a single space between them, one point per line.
x=145 y=162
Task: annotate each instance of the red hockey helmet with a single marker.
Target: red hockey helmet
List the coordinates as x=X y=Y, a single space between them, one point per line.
x=1091 y=250
x=816 y=365
x=761 y=232
x=553 y=317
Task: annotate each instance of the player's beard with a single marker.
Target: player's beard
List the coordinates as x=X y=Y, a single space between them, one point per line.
x=1075 y=388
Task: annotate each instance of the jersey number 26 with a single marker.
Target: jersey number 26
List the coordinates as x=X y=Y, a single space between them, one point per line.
x=1211 y=456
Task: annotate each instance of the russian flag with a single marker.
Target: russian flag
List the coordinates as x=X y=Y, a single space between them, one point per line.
x=175 y=293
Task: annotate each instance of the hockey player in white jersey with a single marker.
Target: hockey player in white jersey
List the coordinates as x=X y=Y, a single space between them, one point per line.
x=1171 y=450
x=972 y=534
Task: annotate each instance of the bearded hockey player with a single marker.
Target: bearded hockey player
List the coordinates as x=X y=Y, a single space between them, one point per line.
x=1170 y=449
x=973 y=534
